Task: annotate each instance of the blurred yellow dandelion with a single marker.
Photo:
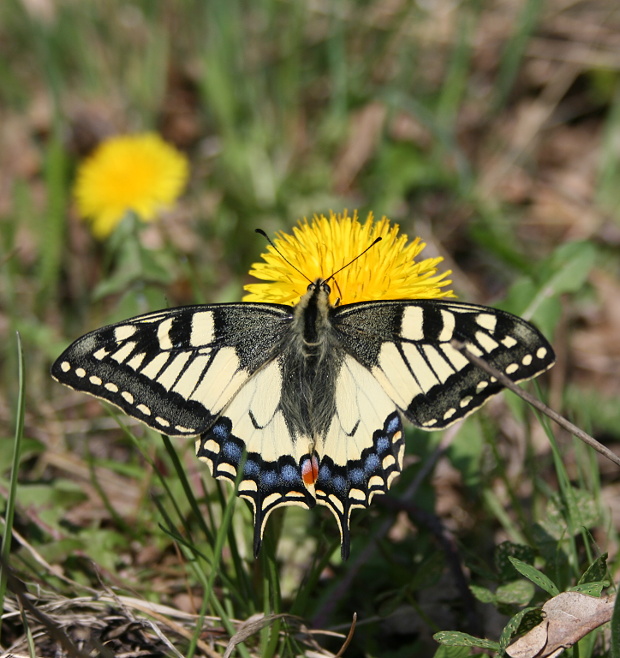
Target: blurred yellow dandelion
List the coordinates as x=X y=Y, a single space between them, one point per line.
x=322 y=246
x=140 y=173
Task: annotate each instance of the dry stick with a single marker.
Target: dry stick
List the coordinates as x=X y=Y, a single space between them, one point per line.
x=535 y=402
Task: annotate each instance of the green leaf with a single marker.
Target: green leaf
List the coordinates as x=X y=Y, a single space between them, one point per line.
x=458 y=639
x=537 y=577
x=596 y=571
x=564 y=517
x=564 y=271
x=502 y=556
x=483 y=594
x=567 y=269
x=518 y=592
x=446 y=651
x=29 y=448
x=591 y=589
x=522 y=622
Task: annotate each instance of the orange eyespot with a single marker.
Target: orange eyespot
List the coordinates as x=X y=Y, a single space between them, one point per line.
x=310 y=470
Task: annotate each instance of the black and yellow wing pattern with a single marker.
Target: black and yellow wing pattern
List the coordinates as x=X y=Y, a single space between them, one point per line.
x=306 y=401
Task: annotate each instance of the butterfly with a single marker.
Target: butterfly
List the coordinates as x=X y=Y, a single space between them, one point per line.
x=303 y=404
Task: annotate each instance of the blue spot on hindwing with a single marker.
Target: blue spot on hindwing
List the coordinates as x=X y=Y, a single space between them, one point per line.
x=269 y=478
x=382 y=444
x=251 y=469
x=221 y=430
x=356 y=475
x=289 y=474
x=371 y=464
x=232 y=452
x=393 y=424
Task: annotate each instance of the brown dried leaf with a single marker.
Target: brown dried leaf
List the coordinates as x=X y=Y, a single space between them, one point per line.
x=568 y=617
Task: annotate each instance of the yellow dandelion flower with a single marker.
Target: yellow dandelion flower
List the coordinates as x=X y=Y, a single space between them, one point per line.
x=139 y=173
x=321 y=247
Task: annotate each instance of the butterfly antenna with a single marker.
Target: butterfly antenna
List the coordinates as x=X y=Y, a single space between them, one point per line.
x=286 y=260
x=370 y=246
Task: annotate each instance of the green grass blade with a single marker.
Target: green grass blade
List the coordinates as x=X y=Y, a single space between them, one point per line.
x=615 y=629
x=7 y=533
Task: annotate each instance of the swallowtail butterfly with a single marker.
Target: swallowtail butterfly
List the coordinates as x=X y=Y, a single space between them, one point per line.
x=307 y=400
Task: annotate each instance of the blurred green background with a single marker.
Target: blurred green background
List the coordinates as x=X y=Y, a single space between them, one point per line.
x=489 y=129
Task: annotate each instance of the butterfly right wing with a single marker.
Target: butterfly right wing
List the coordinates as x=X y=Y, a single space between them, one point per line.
x=407 y=346
x=175 y=370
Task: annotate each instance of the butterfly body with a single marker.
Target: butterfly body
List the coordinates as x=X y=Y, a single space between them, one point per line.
x=303 y=405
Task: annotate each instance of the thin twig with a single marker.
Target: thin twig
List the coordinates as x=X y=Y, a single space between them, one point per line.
x=535 y=402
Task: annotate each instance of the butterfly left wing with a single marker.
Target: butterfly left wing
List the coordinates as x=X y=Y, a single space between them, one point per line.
x=175 y=370
x=213 y=371
x=407 y=346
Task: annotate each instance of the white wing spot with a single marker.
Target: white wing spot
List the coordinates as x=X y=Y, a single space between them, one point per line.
x=271 y=499
x=357 y=495
x=487 y=320
x=527 y=359
x=113 y=388
x=248 y=486
x=488 y=344
x=430 y=423
x=336 y=503
x=481 y=386
x=448 y=326
x=80 y=372
x=136 y=361
x=412 y=325
x=541 y=353
x=512 y=368
x=101 y=353
x=440 y=366
x=169 y=376
x=162 y=421
x=509 y=342
x=449 y=413
x=144 y=409
x=390 y=478
x=154 y=366
x=227 y=469
x=203 y=329
x=95 y=380
x=388 y=462
x=163 y=334
x=127 y=396
x=458 y=360
x=184 y=430
x=466 y=400
x=376 y=481
x=124 y=332
x=121 y=354
x=474 y=349
x=65 y=366
x=212 y=446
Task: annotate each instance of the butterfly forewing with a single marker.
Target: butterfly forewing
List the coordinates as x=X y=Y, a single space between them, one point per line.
x=175 y=370
x=407 y=347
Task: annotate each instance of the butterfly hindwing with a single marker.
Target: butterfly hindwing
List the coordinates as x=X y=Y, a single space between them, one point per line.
x=407 y=347
x=254 y=444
